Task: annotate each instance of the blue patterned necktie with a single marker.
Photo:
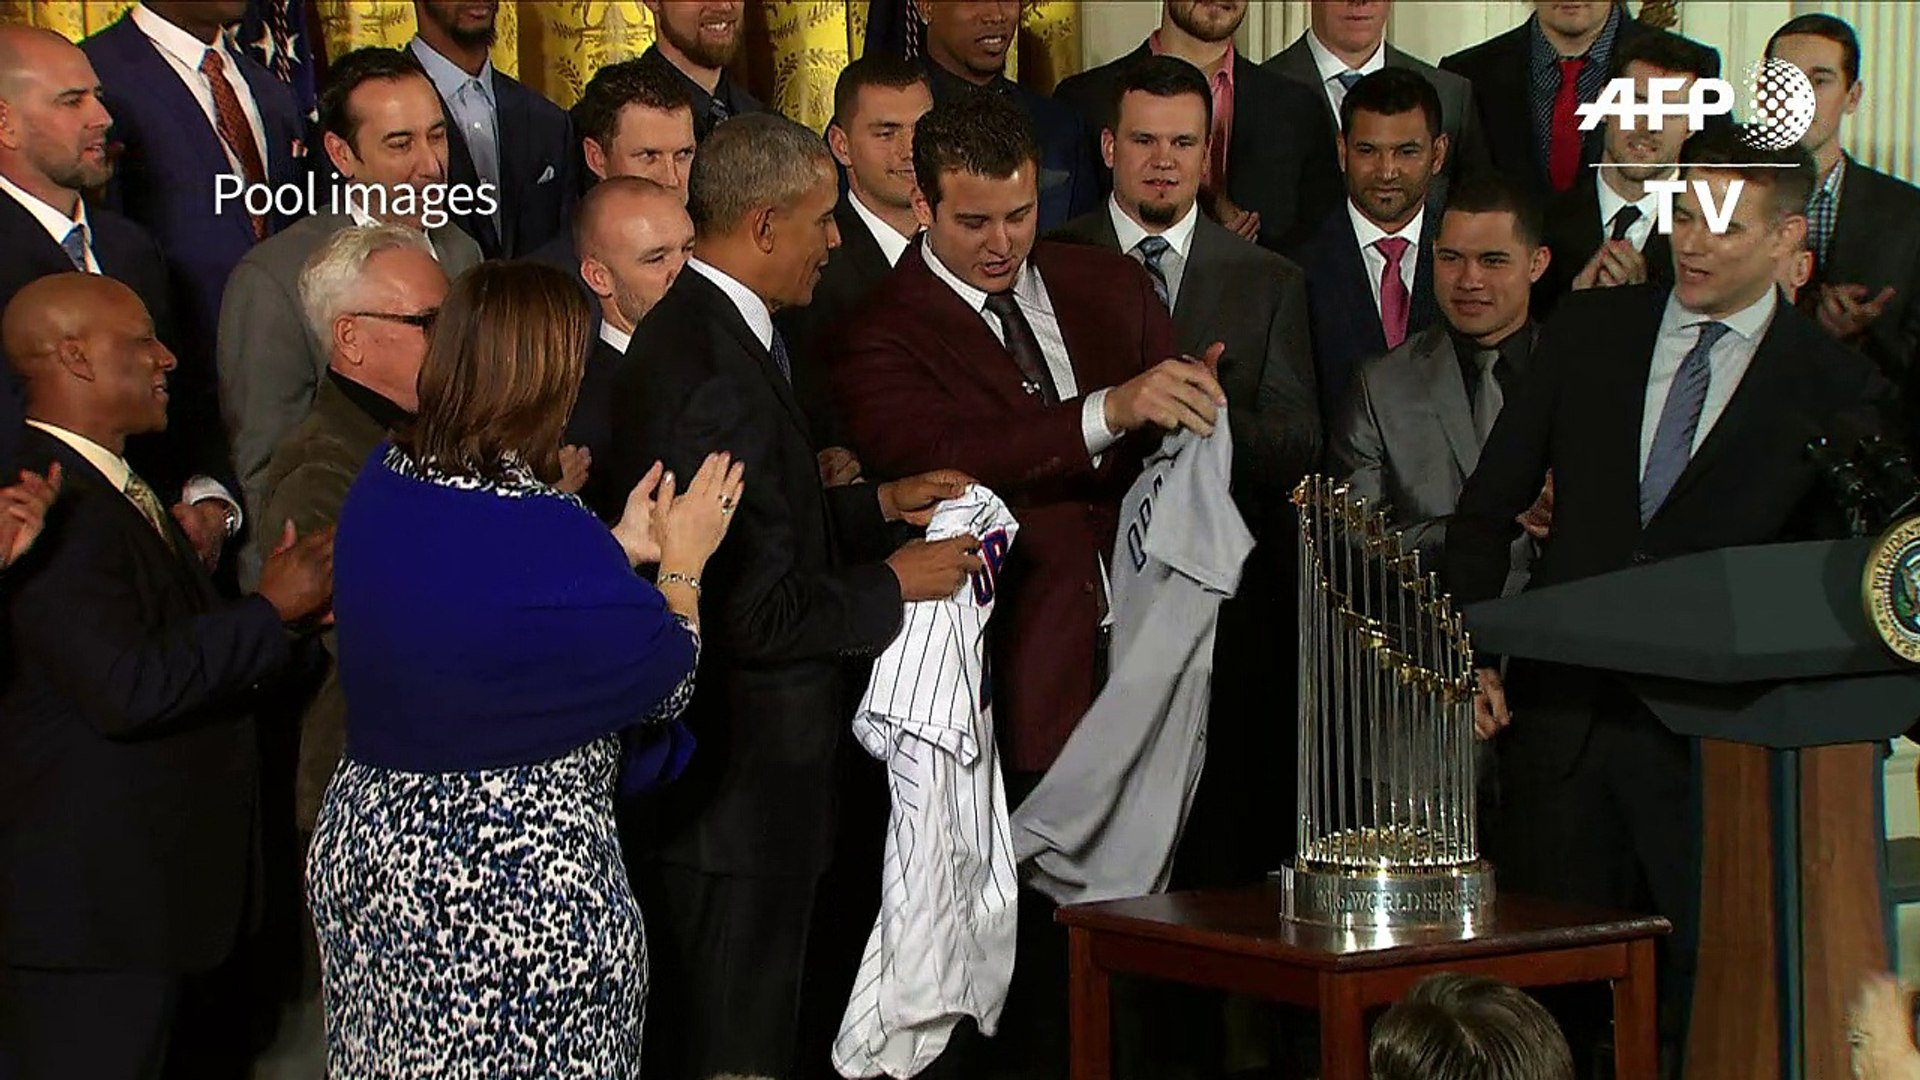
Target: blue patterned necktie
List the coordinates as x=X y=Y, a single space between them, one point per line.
x=1346 y=79
x=1679 y=420
x=75 y=245
x=780 y=358
x=1151 y=250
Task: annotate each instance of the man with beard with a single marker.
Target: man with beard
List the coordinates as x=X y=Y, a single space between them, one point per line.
x=52 y=148
x=1601 y=231
x=499 y=133
x=1370 y=265
x=191 y=109
x=876 y=103
x=1271 y=173
x=966 y=50
x=696 y=40
x=634 y=239
x=386 y=134
x=1529 y=82
x=1346 y=40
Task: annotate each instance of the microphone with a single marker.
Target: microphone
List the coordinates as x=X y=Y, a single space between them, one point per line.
x=1844 y=481
x=1890 y=471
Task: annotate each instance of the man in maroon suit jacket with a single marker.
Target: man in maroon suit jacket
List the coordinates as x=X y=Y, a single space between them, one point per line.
x=1040 y=411
x=1030 y=367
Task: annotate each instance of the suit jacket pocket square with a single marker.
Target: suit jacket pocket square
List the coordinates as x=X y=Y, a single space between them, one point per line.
x=545 y=176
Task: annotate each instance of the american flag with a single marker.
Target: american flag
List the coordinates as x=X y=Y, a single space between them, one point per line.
x=278 y=34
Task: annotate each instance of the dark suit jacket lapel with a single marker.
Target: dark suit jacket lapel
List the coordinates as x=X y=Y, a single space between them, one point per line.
x=1853 y=245
x=1625 y=394
x=1201 y=288
x=1423 y=309
x=1351 y=285
x=181 y=565
x=37 y=248
x=721 y=310
x=1074 y=300
x=1507 y=101
x=511 y=115
x=1760 y=390
x=858 y=247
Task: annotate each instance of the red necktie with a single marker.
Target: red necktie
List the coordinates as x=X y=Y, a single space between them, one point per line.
x=1394 y=301
x=1563 y=146
x=231 y=120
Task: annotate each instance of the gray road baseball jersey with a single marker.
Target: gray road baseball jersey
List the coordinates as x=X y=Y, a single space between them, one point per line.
x=1104 y=821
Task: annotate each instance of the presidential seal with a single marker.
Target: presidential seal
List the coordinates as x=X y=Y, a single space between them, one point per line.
x=1891 y=585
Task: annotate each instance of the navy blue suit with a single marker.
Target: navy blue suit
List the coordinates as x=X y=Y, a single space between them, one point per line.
x=164 y=178
x=1069 y=171
x=1341 y=315
x=538 y=185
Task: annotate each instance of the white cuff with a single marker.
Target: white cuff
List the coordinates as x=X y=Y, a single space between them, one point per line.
x=201 y=488
x=1093 y=425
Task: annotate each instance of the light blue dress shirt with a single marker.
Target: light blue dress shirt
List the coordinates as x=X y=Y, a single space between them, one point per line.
x=471 y=108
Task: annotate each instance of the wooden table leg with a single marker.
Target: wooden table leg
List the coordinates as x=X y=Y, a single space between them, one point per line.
x=1636 y=1025
x=1090 y=1001
x=1343 y=1029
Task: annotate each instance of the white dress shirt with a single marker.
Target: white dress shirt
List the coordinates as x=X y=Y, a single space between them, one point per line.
x=1728 y=362
x=892 y=244
x=615 y=336
x=1369 y=234
x=1332 y=67
x=472 y=108
x=1611 y=203
x=57 y=224
x=1031 y=293
x=751 y=307
x=1179 y=235
x=184 y=53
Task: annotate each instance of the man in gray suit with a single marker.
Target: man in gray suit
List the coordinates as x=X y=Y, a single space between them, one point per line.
x=385 y=133
x=1346 y=40
x=1412 y=430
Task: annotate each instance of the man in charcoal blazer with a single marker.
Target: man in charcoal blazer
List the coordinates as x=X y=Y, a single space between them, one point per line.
x=1345 y=41
x=1279 y=158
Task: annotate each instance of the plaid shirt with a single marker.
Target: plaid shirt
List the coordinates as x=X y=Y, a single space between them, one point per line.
x=1545 y=65
x=1823 y=211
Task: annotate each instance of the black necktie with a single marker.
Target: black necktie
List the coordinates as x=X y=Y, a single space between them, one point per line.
x=1024 y=347
x=1623 y=221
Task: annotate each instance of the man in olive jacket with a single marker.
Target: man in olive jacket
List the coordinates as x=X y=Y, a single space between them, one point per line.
x=370 y=293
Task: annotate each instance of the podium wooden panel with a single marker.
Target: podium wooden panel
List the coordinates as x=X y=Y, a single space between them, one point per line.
x=1235 y=940
x=1791 y=917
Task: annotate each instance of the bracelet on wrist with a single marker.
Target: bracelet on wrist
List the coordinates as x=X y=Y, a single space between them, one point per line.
x=672 y=577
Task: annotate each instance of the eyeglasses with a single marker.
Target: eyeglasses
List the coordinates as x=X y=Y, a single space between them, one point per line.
x=423 y=320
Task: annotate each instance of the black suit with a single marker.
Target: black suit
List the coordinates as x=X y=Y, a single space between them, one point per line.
x=538 y=155
x=195 y=441
x=1280 y=163
x=1069 y=163
x=1597 y=793
x=591 y=423
x=127 y=763
x=796 y=589
x=1501 y=70
x=1876 y=243
x=852 y=272
x=727 y=91
x=1574 y=232
x=1344 y=319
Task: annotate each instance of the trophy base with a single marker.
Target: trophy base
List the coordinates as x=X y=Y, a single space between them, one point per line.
x=1457 y=897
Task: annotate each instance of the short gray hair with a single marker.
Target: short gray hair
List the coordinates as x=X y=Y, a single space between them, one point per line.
x=332 y=273
x=748 y=162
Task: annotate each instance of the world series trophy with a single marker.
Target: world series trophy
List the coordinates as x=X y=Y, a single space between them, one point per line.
x=1388 y=836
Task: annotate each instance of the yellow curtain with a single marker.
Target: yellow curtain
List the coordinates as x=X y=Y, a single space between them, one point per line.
x=795 y=48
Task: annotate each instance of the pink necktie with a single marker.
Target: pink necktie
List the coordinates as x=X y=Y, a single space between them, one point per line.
x=1394 y=301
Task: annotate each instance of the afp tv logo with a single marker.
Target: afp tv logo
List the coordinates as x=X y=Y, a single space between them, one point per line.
x=1780 y=108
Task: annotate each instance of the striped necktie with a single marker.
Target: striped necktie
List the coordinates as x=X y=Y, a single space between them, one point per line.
x=75 y=245
x=1679 y=421
x=1151 y=250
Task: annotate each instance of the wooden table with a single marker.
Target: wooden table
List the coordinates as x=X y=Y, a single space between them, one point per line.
x=1235 y=940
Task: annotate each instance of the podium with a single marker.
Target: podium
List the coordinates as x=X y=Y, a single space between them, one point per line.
x=1767 y=656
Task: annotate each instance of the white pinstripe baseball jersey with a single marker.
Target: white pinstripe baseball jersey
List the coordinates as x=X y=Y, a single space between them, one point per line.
x=1104 y=821
x=942 y=946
